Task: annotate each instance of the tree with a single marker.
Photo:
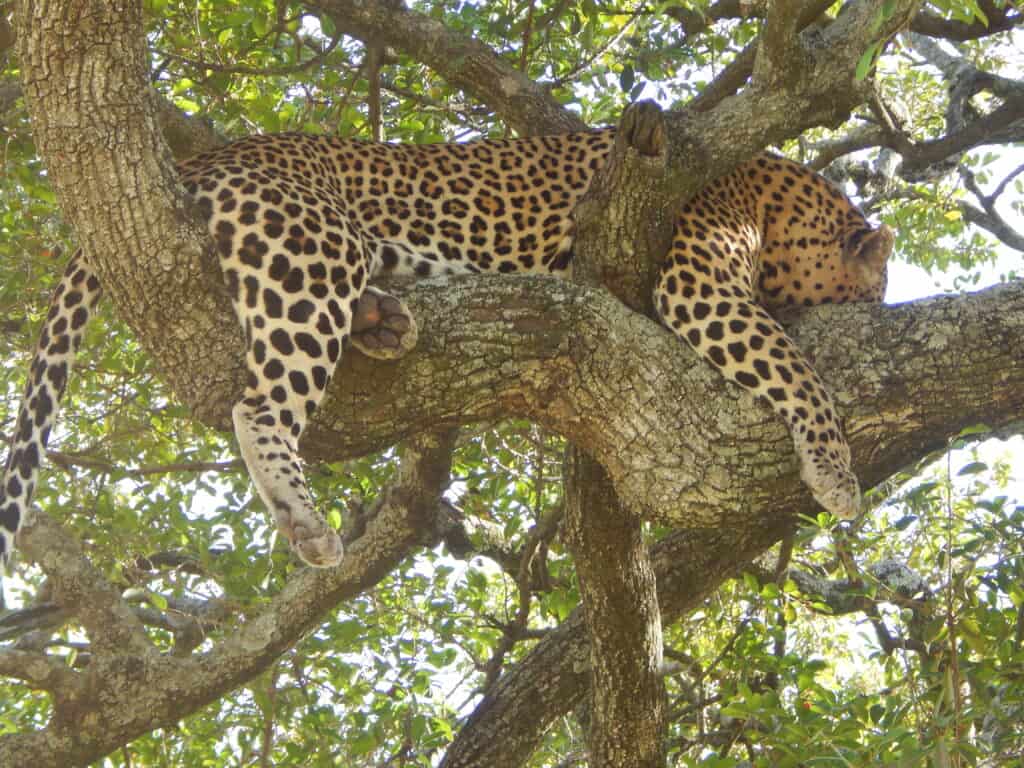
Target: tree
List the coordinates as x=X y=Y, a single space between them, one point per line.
x=156 y=604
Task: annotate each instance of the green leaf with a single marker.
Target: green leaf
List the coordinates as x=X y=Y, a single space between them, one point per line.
x=334 y=518
x=363 y=744
x=867 y=61
x=626 y=78
x=770 y=591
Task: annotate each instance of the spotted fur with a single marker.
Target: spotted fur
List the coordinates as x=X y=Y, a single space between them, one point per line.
x=303 y=222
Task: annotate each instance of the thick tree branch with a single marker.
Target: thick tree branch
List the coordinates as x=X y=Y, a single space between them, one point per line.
x=780 y=52
x=186 y=135
x=39 y=670
x=92 y=118
x=81 y=589
x=627 y=702
x=893 y=580
x=577 y=361
x=1000 y=19
x=821 y=90
x=739 y=70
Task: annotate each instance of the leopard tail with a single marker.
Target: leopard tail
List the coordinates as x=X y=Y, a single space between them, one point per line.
x=72 y=304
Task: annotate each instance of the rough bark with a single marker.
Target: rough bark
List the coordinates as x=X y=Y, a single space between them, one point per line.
x=623 y=622
x=620 y=250
x=579 y=362
x=625 y=221
x=85 y=73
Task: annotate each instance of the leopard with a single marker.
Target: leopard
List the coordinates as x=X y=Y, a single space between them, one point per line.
x=302 y=223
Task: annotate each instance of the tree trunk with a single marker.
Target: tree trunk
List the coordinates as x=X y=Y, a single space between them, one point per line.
x=620 y=603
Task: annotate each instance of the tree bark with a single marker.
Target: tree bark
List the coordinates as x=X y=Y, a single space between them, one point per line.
x=623 y=622
x=85 y=70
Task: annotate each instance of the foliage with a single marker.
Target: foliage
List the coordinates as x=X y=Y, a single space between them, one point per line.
x=765 y=672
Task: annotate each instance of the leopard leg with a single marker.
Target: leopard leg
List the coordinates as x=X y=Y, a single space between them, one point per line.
x=294 y=343
x=383 y=326
x=73 y=302
x=705 y=295
x=271 y=456
x=296 y=313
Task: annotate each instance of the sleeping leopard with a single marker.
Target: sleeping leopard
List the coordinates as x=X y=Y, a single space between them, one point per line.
x=303 y=222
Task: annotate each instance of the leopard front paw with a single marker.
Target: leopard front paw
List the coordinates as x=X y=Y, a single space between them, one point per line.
x=383 y=326
x=836 y=489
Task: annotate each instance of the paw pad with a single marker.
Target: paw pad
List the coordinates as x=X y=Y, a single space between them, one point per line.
x=383 y=327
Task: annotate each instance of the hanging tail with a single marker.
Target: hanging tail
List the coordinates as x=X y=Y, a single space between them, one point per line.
x=71 y=306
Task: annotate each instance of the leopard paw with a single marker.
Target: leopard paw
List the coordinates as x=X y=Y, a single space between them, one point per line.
x=383 y=327
x=318 y=548
x=835 y=489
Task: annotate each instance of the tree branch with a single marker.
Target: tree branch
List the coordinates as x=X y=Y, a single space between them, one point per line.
x=466 y=63
x=82 y=590
x=164 y=689
x=39 y=671
x=999 y=20
x=876 y=185
x=553 y=678
x=507 y=725
x=737 y=71
x=988 y=217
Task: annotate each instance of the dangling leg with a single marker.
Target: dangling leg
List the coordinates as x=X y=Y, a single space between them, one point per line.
x=705 y=295
x=296 y=311
x=73 y=302
x=271 y=455
x=294 y=343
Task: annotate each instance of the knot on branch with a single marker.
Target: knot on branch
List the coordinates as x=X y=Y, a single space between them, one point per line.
x=624 y=222
x=642 y=128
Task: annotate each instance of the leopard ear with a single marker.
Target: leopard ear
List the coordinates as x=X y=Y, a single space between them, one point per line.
x=873 y=249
